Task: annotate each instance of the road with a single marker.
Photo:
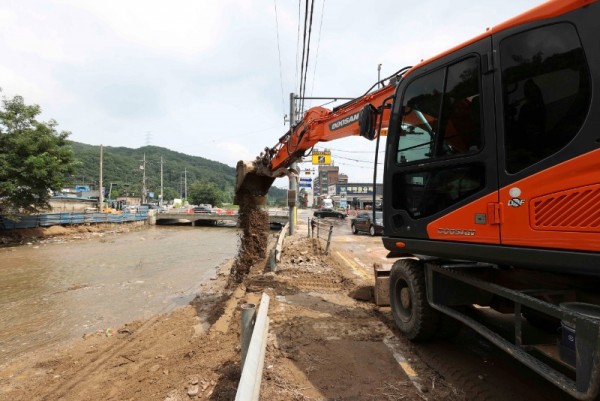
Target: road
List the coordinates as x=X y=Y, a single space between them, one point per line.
x=468 y=361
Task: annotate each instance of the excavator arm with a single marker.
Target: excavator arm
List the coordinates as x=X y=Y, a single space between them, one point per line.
x=367 y=116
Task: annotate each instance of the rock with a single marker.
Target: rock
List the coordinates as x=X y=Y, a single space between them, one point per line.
x=172 y=396
x=154 y=368
x=200 y=329
x=193 y=390
x=422 y=388
x=194 y=380
x=364 y=293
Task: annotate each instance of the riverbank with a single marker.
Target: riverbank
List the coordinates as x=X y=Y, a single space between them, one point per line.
x=323 y=344
x=24 y=236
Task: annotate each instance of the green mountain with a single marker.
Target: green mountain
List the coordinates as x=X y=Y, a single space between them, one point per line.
x=123 y=171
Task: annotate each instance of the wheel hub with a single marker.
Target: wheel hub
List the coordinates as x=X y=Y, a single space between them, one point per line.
x=405 y=299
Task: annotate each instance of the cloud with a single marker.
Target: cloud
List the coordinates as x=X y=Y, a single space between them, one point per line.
x=204 y=78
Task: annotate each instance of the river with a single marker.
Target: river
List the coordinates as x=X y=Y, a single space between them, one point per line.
x=54 y=292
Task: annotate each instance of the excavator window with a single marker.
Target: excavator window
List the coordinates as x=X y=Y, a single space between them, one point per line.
x=441 y=113
x=425 y=192
x=441 y=119
x=461 y=114
x=546 y=91
x=421 y=106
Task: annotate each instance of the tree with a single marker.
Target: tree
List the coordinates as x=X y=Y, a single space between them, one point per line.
x=169 y=194
x=34 y=158
x=205 y=192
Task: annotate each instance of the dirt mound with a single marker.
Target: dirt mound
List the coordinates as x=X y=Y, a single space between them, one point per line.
x=78 y=231
x=56 y=230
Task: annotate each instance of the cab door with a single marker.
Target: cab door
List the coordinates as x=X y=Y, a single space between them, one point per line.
x=441 y=179
x=548 y=139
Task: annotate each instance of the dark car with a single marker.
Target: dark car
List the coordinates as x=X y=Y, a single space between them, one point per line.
x=364 y=222
x=322 y=213
x=202 y=209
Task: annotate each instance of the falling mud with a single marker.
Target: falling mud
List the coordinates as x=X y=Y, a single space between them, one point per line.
x=254 y=223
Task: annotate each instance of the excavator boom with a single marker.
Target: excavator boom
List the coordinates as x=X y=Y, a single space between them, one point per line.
x=318 y=125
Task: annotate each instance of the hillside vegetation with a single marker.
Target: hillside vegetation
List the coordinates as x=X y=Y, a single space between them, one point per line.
x=122 y=167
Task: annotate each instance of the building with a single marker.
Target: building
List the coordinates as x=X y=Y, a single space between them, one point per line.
x=329 y=182
x=326 y=175
x=360 y=195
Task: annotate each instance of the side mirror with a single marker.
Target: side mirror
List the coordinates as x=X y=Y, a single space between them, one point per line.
x=367 y=120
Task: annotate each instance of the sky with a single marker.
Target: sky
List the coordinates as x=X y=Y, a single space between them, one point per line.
x=213 y=78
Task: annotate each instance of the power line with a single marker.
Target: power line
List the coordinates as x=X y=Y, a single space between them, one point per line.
x=355 y=160
x=298 y=41
x=356 y=151
x=318 y=45
x=303 y=52
x=279 y=52
x=354 y=165
x=312 y=9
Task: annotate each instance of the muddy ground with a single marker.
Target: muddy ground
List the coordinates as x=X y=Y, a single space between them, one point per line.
x=323 y=344
x=58 y=233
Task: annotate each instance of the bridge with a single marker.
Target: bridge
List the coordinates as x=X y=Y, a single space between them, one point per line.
x=275 y=217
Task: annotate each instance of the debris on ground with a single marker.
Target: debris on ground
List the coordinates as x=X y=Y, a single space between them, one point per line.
x=322 y=344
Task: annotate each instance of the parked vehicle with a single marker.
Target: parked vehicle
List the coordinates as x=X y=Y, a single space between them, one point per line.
x=363 y=222
x=322 y=213
x=201 y=209
x=327 y=203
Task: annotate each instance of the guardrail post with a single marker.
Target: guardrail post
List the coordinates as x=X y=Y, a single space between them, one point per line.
x=328 y=240
x=248 y=319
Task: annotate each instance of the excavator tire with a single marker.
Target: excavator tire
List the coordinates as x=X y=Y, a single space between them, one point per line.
x=413 y=315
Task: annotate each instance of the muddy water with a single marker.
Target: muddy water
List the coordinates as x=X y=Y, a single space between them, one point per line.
x=55 y=292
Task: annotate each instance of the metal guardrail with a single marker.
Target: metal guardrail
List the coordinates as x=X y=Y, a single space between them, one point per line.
x=319 y=225
x=249 y=385
x=54 y=219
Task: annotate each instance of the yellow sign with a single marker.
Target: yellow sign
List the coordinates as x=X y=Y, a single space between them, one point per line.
x=321 y=157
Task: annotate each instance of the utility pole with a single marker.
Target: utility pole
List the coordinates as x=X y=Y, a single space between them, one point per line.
x=181 y=186
x=185 y=182
x=160 y=203
x=101 y=195
x=144 y=180
x=293 y=191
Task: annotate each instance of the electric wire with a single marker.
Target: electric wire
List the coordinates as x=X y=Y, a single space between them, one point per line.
x=279 y=53
x=355 y=160
x=356 y=151
x=312 y=8
x=298 y=42
x=303 y=52
x=317 y=53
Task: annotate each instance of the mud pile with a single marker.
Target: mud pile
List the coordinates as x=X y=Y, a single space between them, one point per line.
x=254 y=223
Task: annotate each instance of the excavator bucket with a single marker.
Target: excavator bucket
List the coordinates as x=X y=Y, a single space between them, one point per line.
x=250 y=181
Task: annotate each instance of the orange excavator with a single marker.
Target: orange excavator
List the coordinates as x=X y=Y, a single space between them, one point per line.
x=491 y=189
